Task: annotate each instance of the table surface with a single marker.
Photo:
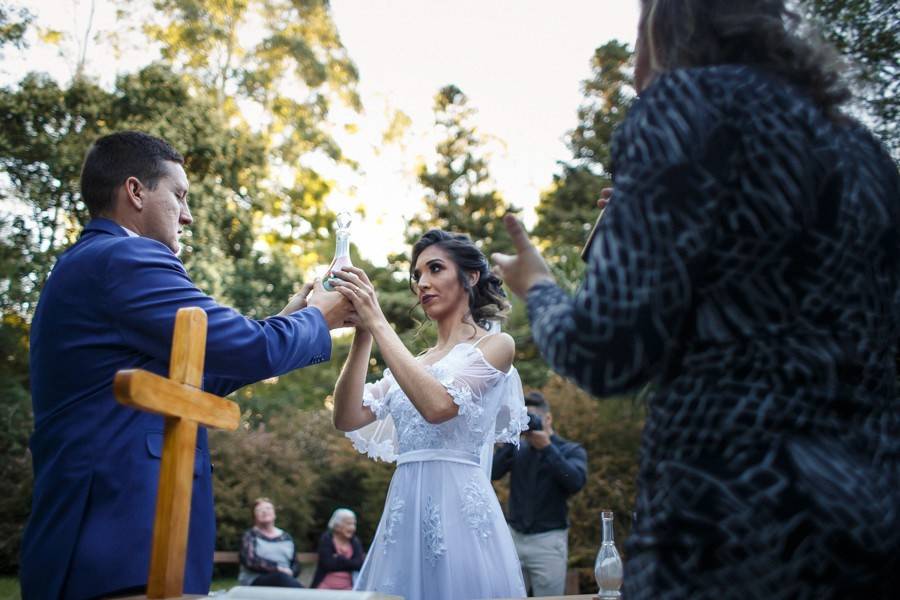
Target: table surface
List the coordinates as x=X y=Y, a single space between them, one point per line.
x=578 y=597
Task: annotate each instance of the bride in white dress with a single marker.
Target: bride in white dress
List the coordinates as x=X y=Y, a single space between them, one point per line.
x=442 y=534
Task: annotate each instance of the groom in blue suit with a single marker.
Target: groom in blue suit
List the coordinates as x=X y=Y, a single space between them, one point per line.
x=110 y=304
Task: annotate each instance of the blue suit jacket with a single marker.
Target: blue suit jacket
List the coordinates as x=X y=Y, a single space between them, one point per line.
x=110 y=304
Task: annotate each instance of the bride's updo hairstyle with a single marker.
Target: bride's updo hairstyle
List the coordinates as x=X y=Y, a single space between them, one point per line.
x=487 y=300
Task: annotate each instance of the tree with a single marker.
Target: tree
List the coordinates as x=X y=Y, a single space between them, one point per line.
x=47 y=129
x=287 y=78
x=16 y=418
x=567 y=211
x=610 y=432
x=867 y=32
x=14 y=22
x=307 y=467
x=459 y=196
x=259 y=224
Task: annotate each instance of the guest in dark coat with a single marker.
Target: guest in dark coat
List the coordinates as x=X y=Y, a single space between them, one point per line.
x=748 y=264
x=340 y=553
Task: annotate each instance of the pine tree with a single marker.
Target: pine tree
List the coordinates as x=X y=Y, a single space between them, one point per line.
x=459 y=195
x=867 y=33
x=567 y=212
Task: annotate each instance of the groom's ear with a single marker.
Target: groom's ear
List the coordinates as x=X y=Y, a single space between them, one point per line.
x=133 y=188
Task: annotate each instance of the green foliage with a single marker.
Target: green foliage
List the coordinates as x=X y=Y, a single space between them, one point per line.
x=9 y=588
x=246 y=111
x=528 y=360
x=610 y=431
x=14 y=22
x=567 y=211
x=298 y=50
x=867 y=33
x=305 y=466
x=305 y=389
x=15 y=427
x=254 y=462
x=459 y=196
x=41 y=149
x=48 y=129
x=256 y=231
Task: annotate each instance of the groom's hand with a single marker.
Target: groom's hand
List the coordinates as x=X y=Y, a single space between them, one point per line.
x=298 y=301
x=336 y=309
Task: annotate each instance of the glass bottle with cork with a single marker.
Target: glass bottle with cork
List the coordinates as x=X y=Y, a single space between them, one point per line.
x=608 y=567
x=341 y=249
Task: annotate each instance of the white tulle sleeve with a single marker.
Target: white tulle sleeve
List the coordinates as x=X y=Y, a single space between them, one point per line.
x=378 y=440
x=491 y=401
x=470 y=380
x=512 y=416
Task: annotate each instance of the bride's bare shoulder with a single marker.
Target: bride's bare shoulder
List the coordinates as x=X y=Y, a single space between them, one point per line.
x=499 y=350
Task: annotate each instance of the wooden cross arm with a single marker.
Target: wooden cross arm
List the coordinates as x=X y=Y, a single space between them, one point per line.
x=152 y=393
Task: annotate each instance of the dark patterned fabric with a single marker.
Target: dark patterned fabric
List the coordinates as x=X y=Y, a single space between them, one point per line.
x=748 y=266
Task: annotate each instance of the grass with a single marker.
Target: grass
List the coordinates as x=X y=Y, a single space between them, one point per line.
x=9 y=588
x=223 y=583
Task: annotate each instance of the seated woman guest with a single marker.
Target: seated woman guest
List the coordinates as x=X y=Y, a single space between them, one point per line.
x=340 y=553
x=748 y=265
x=267 y=553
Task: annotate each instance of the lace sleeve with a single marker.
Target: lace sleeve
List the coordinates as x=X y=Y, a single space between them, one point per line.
x=377 y=440
x=375 y=395
x=470 y=380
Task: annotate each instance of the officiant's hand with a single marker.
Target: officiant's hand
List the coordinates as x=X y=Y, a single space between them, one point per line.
x=355 y=286
x=526 y=268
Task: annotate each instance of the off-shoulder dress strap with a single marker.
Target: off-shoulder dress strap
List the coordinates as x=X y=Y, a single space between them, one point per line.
x=482 y=338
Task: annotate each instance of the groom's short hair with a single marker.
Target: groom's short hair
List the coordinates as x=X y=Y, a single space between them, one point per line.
x=114 y=158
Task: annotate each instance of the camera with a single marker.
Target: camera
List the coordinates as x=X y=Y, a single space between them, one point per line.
x=534 y=422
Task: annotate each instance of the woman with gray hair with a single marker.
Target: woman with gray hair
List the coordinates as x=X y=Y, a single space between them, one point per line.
x=748 y=265
x=340 y=553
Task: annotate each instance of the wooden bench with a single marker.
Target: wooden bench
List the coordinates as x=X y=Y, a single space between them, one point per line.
x=233 y=558
x=572 y=585
x=306 y=560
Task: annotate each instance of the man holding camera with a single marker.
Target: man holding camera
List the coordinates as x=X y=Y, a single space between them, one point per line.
x=546 y=469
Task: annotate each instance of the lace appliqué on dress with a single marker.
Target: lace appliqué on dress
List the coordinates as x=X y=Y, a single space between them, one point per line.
x=376 y=405
x=476 y=509
x=391 y=522
x=433 y=532
x=461 y=394
x=383 y=450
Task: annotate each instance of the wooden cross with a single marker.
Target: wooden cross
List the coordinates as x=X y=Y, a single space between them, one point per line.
x=185 y=406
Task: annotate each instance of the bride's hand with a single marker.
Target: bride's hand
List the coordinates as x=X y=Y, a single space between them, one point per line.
x=354 y=285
